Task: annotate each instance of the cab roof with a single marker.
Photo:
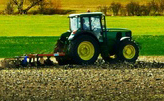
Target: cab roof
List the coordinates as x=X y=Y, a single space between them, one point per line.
x=89 y=14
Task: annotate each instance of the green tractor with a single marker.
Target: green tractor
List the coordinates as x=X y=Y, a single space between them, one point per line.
x=88 y=37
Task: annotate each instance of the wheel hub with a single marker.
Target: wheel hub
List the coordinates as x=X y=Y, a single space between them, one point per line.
x=84 y=51
x=129 y=51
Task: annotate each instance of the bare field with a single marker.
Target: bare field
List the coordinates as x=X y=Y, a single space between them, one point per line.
x=151 y=58
x=143 y=81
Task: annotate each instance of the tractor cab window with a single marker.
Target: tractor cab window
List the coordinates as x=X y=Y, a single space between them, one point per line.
x=85 y=23
x=75 y=23
x=95 y=23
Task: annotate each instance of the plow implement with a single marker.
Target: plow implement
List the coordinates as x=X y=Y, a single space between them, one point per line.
x=31 y=60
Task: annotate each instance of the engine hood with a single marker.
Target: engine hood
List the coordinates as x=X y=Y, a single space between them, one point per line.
x=118 y=30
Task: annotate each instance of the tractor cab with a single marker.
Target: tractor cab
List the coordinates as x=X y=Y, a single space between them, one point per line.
x=90 y=23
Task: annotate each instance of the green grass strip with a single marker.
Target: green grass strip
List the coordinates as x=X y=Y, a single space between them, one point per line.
x=16 y=46
x=55 y=25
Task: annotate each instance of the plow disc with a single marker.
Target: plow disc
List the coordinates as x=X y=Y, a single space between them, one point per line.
x=30 y=60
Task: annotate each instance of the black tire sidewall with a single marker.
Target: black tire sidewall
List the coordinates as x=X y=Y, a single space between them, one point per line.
x=74 y=49
x=120 y=51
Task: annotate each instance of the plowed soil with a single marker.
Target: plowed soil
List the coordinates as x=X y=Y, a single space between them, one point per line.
x=142 y=81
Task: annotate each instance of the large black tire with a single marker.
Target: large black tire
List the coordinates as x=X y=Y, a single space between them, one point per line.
x=128 y=51
x=84 y=50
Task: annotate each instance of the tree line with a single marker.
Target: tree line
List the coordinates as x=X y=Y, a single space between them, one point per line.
x=152 y=8
x=40 y=6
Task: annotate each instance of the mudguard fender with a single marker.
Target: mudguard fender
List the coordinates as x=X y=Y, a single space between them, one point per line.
x=125 y=38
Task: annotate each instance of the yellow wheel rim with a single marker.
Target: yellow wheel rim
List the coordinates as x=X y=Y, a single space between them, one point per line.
x=129 y=51
x=86 y=50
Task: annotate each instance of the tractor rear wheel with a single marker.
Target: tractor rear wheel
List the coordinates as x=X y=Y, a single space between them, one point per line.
x=128 y=51
x=84 y=50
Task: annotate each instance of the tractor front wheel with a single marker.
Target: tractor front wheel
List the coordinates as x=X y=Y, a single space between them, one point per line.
x=128 y=51
x=84 y=50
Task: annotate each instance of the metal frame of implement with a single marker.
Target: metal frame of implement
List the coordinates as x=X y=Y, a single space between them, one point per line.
x=37 y=56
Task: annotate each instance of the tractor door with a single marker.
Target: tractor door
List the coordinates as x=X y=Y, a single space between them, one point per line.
x=93 y=24
x=86 y=23
x=96 y=27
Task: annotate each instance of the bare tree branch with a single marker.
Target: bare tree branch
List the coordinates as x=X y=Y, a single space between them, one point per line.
x=15 y=2
x=32 y=5
x=20 y=3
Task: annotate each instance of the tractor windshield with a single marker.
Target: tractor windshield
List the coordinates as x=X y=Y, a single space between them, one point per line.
x=75 y=23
